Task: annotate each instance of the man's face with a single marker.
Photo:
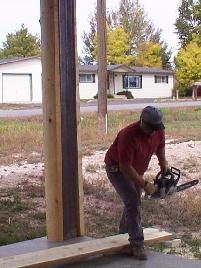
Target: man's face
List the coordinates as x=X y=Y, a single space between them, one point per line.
x=146 y=128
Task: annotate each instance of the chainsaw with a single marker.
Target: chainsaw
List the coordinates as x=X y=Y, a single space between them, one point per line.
x=166 y=184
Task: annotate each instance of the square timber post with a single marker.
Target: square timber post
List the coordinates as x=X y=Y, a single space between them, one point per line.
x=61 y=116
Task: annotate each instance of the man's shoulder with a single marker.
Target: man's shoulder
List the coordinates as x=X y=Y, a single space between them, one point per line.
x=130 y=130
x=132 y=127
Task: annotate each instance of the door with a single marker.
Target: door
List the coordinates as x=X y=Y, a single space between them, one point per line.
x=17 y=88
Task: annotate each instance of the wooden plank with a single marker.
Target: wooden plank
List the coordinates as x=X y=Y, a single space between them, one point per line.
x=80 y=251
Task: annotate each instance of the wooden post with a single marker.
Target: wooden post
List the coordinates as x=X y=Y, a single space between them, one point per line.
x=63 y=184
x=102 y=66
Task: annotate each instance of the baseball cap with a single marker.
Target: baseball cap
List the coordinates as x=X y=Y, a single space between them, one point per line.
x=152 y=116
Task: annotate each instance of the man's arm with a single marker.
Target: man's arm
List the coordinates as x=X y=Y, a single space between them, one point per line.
x=131 y=174
x=162 y=160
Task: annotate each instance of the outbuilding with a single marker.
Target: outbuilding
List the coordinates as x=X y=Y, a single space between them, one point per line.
x=20 y=80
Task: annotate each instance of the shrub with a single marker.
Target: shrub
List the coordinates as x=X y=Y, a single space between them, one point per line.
x=128 y=94
x=109 y=96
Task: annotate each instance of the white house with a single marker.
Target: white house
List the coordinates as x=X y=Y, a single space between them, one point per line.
x=20 y=81
x=143 y=82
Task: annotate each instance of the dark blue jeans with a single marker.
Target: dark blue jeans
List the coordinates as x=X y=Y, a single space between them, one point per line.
x=130 y=194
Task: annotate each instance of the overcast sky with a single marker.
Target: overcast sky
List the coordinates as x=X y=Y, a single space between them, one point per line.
x=15 y=12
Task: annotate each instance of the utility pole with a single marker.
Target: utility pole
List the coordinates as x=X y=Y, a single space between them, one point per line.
x=102 y=66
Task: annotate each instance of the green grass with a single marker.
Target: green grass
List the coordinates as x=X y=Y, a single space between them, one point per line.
x=16 y=222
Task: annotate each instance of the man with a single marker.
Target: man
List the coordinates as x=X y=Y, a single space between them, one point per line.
x=126 y=161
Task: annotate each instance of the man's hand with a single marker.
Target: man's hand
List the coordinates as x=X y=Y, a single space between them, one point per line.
x=149 y=188
x=164 y=167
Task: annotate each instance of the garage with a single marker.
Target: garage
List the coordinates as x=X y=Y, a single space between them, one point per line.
x=16 y=88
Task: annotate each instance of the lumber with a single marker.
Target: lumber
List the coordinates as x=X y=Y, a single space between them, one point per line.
x=79 y=251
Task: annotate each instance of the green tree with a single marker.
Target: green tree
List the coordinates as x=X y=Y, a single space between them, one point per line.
x=197 y=17
x=188 y=66
x=149 y=55
x=117 y=46
x=132 y=18
x=186 y=23
x=21 y=44
x=88 y=40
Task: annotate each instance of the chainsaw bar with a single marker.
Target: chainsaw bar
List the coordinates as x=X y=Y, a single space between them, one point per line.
x=187 y=185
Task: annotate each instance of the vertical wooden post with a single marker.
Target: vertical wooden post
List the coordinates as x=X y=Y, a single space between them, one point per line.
x=102 y=66
x=63 y=184
x=70 y=118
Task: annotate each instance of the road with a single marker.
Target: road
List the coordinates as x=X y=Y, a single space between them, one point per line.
x=112 y=106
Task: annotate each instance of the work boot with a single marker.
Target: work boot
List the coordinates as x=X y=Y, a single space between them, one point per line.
x=128 y=251
x=139 y=253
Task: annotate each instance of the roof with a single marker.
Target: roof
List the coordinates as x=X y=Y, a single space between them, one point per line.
x=151 y=70
x=136 y=69
x=17 y=59
x=94 y=68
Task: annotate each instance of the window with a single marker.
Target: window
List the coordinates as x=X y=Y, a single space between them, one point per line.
x=87 y=78
x=161 y=79
x=132 y=81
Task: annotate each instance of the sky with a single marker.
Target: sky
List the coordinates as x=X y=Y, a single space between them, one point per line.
x=16 y=12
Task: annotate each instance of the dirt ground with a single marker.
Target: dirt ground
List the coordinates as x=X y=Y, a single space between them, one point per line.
x=185 y=156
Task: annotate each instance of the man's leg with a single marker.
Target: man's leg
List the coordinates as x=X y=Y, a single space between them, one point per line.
x=131 y=220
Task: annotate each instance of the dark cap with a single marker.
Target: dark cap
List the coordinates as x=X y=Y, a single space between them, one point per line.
x=152 y=116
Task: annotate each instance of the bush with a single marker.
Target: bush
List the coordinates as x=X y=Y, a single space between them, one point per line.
x=128 y=94
x=109 y=96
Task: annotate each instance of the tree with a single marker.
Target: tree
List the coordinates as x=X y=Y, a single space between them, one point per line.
x=88 y=40
x=149 y=55
x=133 y=20
x=197 y=17
x=117 y=46
x=186 y=22
x=131 y=16
x=21 y=44
x=188 y=66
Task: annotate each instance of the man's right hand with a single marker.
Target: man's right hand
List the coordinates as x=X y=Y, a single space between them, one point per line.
x=149 y=188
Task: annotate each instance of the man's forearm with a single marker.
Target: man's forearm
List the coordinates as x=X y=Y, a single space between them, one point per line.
x=131 y=174
x=162 y=159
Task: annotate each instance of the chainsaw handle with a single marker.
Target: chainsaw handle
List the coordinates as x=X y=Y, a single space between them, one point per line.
x=164 y=175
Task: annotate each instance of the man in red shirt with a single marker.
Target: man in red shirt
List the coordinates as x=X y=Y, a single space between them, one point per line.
x=126 y=161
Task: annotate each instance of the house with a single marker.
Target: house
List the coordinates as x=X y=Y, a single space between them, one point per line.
x=21 y=81
x=143 y=82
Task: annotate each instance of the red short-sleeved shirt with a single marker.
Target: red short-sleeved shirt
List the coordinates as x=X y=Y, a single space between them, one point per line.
x=134 y=148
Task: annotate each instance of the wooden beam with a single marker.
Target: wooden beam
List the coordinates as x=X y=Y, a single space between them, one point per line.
x=102 y=66
x=52 y=118
x=64 y=191
x=79 y=252
x=72 y=186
